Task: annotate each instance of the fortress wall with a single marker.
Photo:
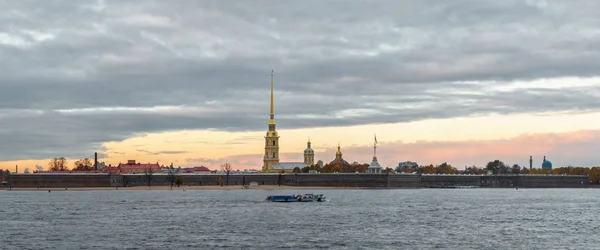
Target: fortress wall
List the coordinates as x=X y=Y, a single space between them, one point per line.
x=59 y=180
x=352 y=180
x=336 y=180
x=404 y=180
x=535 y=181
x=234 y=179
x=302 y=179
x=201 y=180
x=450 y=180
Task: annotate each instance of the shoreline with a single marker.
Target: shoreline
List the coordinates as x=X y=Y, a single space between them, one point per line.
x=142 y=188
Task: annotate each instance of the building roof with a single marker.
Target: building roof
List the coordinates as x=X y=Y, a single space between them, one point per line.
x=197 y=169
x=308 y=149
x=546 y=164
x=128 y=168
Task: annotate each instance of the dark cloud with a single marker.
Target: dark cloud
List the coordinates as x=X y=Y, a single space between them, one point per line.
x=78 y=74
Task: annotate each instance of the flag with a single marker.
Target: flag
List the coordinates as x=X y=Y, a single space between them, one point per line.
x=375 y=139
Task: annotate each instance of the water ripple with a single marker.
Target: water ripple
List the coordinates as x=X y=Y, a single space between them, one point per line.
x=352 y=219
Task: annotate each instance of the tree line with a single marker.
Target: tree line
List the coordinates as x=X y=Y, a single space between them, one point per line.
x=499 y=167
x=60 y=164
x=354 y=167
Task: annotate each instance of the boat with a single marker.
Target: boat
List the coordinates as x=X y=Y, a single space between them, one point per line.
x=283 y=198
x=312 y=197
x=297 y=198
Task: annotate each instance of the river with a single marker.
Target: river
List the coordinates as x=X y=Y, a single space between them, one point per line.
x=351 y=219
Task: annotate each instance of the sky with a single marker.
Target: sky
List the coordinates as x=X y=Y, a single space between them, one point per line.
x=187 y=82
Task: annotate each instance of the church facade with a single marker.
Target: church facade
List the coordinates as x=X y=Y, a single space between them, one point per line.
x=271 y=163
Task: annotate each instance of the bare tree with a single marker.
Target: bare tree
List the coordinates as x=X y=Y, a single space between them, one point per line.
x=227 y=169
x=172 y=175
x=148 y=172
x=58 y=164
x=83 y=165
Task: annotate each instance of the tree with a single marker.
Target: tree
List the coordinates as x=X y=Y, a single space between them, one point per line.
x=179 y=181
x=495 y=166
x=2 y=176
x=58 y=164
x=83 y=165
x=428 y=169
x=337 y=167
x=388 y=171
x=148 y=172
x=226 y=167
x=594 y=175
x=172 y=177
x=445 y=168
x=516 y=169
x=298 y=170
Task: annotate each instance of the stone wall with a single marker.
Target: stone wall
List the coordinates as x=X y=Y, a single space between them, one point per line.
x=535 y=181
x=59 y=180
x=352 y=180
x=200 y=180
x=302 y=179
x=439 y=181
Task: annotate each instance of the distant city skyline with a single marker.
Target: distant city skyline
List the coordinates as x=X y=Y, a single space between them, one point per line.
x=436 y=81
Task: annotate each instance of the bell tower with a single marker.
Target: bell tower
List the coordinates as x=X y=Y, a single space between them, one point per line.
x=271 y=157
x=309 y=155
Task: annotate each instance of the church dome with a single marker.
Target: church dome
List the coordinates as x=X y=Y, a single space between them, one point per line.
x=308 y=149
x=546 y=164
x=339 y=159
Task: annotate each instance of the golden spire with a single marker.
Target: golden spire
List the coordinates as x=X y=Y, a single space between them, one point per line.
x=272 y=119
x=308 y=143
x=339 y=151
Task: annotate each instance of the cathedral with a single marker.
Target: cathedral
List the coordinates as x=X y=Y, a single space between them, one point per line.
x=271 y=162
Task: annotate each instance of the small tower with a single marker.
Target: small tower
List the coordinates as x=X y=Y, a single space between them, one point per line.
x=374 y=167
x=530 y=162
x=338 y=154
x=309 y=154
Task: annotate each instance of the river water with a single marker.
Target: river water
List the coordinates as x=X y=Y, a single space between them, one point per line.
x=351 y=219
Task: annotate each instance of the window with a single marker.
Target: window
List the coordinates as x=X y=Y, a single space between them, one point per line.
x=273 y=143
x=273 y=155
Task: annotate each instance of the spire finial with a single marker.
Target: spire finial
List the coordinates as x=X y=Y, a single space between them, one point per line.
x=272 y=113
x=375 y=147
x=272 y=96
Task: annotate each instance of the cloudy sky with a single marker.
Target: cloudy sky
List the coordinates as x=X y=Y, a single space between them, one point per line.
x=463 y=82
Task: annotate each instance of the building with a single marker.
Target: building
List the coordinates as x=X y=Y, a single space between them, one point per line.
x=197 y=170
x=309 y=155
x=407 y=165
x=271 y=162
x=131 y=167
x=339 y=160
x=546 y=164
x=374 y=167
